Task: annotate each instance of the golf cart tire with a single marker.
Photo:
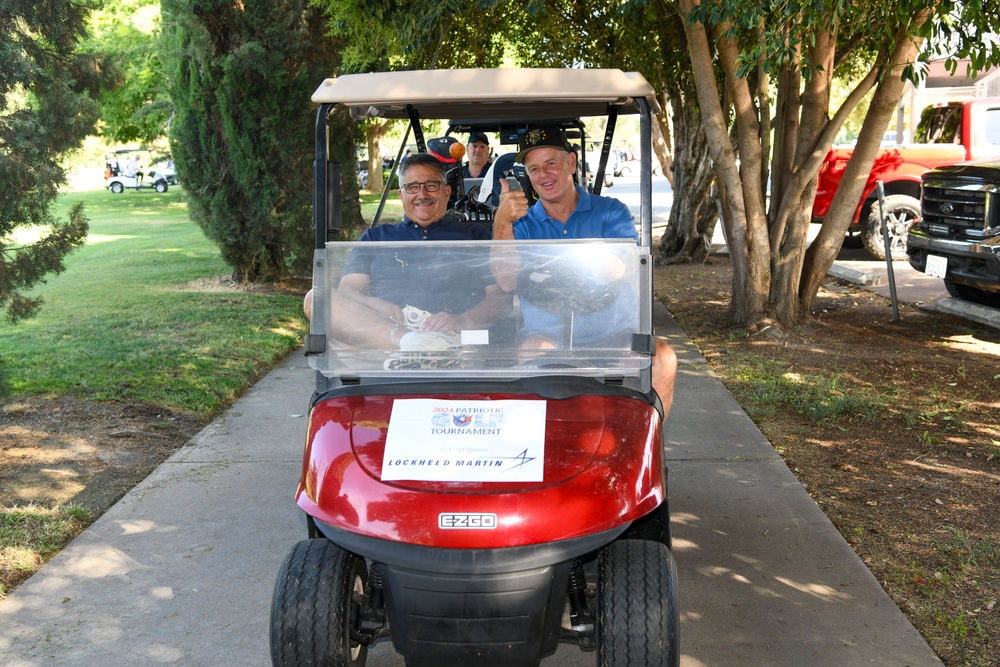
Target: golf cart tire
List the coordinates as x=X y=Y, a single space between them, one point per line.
x=117 y=188
x=311 y=608
x=160 y=186
x=900 y=211
x=638 y=615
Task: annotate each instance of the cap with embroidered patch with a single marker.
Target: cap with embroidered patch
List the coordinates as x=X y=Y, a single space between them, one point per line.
x=542 y=136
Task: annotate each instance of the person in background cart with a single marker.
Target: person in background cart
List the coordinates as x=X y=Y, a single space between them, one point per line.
x=132 y=170
x=478 y=150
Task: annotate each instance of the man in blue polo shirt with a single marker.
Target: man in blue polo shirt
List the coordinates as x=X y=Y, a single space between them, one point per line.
x=565 y=210
x=455 y=288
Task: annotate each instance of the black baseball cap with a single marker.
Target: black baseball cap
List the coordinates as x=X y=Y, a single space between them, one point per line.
x=478 y=136
x=542 y=136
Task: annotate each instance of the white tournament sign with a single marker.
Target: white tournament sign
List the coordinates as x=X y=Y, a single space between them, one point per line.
x=465 y=441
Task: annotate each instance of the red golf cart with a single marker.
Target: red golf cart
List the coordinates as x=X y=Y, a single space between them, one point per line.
x=480 y=503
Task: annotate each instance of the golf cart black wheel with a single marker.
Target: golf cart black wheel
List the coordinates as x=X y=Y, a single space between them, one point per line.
x=972 y=294
x=311 y=610
x=900 y=211
x=117 y=188
x=161 y=186
x=637 y=611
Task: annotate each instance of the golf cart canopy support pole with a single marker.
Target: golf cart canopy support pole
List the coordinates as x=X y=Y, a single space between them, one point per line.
x=327 y=185
x=602 y=162
x=646 y=170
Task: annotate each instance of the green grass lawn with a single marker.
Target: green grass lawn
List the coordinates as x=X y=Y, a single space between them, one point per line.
x=123 y=322
x=391 y=212
x=131 y=319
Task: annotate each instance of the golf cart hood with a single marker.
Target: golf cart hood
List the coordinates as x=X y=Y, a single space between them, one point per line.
x=600 y=470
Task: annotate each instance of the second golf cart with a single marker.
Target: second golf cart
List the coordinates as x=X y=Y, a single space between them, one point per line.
x=124 y=170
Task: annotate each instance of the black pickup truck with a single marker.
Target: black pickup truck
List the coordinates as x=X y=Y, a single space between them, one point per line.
x=958 y=235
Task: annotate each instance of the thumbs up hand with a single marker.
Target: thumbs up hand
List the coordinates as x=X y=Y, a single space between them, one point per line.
x=513 y=206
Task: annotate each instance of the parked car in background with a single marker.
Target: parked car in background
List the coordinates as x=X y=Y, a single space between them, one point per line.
x=363 y=174
x=628 y=165
x=957 y=238
x=893 y=138
x=946 y=134
x=593 y=159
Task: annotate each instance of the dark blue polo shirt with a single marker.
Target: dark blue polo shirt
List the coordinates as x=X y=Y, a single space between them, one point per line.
x=434 y=279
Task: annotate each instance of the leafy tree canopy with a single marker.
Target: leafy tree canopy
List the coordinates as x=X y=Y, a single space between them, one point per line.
x=138 y=107
x=792 y=50
x=241 y=75
x=47 y=107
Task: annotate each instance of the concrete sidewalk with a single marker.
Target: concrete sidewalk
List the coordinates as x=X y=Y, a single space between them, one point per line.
x=912 y=287
x=180 y=571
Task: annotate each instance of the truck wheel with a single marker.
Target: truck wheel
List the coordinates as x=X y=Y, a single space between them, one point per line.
x=852 y=240
x=972 y=294
x=637 y=612
x=900 y=212
x=311 y=610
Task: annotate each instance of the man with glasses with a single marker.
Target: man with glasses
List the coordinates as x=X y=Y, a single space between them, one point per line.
x=565 y=210
x=385 y=281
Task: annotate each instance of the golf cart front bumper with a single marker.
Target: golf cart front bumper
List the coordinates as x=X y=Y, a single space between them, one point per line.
x=484 y=607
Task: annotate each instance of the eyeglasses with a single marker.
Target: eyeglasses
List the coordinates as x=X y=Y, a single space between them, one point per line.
x=414 y=188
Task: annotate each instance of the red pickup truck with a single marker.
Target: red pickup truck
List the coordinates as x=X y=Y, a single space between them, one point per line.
x=946 y=134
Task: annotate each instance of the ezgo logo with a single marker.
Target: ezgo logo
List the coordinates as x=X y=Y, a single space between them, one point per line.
x=454 y=520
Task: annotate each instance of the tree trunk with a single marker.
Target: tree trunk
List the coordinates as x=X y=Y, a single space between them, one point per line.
x=745 y=225
x=747 y=202
x=823 y=251
x=663 y=140
x=693 y=215
x=374 y=131
x=789 y=233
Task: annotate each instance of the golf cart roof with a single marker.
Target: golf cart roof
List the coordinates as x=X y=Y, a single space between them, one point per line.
x=488 y=93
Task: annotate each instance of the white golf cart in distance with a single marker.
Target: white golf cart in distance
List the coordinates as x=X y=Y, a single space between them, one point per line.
x=480 y=504
x=157 y=174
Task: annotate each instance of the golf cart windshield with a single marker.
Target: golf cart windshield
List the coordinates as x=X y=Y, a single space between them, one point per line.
x=578 y=306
